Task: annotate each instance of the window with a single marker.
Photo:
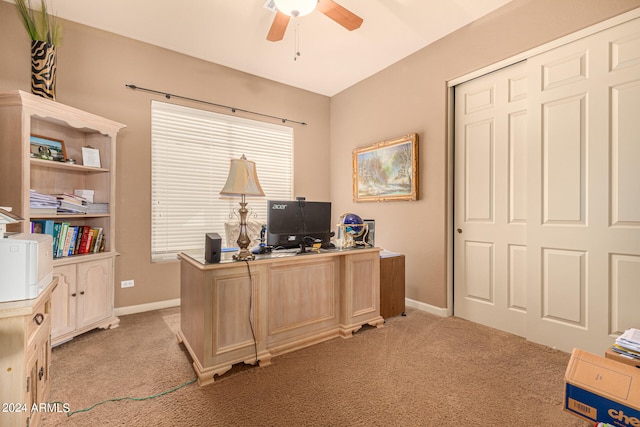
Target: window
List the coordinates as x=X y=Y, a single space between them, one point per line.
x=191 y=151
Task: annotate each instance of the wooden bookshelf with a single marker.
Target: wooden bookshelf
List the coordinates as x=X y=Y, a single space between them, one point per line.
x=83 y=298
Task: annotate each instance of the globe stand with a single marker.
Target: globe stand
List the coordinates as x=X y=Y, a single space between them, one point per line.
x=349 y=232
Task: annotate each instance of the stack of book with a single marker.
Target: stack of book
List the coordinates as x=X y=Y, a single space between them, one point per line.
x=97 y=208
x=70 y=239
x=628 y=344
x=71 y=204
x=42 y=204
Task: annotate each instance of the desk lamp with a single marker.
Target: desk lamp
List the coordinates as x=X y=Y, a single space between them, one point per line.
x=243 y=181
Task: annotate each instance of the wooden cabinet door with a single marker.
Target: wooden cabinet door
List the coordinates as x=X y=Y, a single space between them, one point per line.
x=36 y=389
x=63 y=301
x=95 y=291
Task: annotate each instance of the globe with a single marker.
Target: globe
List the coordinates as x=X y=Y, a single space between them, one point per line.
x=353 y=224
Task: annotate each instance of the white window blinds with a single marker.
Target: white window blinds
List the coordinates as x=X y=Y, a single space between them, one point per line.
x=191 y=151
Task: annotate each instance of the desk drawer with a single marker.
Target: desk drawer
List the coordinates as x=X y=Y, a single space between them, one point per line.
x=39 y=319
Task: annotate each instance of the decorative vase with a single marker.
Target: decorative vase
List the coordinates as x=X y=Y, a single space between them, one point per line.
x=43 y=69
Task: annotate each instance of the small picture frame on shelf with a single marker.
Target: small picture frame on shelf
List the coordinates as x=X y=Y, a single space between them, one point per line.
x=91 y=156
x=46 y=148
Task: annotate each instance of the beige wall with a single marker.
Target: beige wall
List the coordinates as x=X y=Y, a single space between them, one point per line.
x=93 y=68
x=410 y=96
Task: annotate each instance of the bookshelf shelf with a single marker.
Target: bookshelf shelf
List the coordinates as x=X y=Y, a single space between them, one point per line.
x=83 y=299
x=69 y=216
x=74 y=259
x=65 y=166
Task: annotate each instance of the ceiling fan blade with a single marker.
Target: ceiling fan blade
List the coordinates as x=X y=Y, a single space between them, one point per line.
x=342 y=16
x=278 y=27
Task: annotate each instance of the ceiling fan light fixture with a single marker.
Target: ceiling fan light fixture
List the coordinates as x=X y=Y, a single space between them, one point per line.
x=296 y=8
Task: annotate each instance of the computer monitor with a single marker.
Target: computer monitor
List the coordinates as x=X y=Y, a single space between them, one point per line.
x=291 y=223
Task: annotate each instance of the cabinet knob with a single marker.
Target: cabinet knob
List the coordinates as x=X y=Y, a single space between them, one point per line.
x=38 y=318
x=73 y=294
x=459 y=230
x=82 y=293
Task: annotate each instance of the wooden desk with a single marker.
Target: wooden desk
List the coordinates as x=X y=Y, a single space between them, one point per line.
x=287 y=303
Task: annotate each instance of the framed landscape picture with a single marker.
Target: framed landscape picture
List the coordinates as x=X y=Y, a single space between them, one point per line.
x=43 y=147
x=387 y=170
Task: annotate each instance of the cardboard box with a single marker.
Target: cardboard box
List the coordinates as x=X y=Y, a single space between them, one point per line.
x=610 y=354
x=598 y=389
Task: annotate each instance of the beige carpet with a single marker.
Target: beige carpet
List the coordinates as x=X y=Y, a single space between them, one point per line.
x=419 y=370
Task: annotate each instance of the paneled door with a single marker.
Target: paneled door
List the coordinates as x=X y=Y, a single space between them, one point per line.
x=583 y=235
x=491 y=200
x=547 y=194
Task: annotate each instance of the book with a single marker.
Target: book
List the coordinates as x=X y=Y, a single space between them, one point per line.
x=42 y=204
x=44 y=226
x=76 y=242
x=90 y=241
x=85 y=194
x=56 y=237
x=97 y=208
x=71 y=204
x=62 y=238
x=70 y=244
x=36 y=227
x=93 y=233
x=98 y=240
x=83 y=246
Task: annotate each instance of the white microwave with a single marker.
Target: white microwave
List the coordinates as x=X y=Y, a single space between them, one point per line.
x=26 y=265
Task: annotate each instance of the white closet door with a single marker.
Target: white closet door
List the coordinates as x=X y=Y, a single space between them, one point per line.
x=547 y=194
x=490 y=200
x=583 y=234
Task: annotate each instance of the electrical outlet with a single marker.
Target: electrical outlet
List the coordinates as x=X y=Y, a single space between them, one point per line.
x=127 y=284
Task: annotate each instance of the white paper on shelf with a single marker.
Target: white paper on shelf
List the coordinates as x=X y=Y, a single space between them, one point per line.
x=630 y=339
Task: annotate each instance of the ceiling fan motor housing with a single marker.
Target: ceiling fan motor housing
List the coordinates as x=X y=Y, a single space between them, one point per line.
x=288 y=8
x=296 y=8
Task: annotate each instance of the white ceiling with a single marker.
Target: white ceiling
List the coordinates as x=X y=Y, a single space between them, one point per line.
x=233 y=33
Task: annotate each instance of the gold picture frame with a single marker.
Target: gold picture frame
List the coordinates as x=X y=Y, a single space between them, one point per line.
x=386 y=171
x=46 y=148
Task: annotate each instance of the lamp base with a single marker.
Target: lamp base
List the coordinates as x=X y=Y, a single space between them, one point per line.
x=244 y=255
x=243 y=239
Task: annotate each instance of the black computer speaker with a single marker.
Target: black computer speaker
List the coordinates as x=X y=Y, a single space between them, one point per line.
x=212 y=247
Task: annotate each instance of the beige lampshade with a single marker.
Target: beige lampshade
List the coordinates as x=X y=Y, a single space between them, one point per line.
x=242 y=179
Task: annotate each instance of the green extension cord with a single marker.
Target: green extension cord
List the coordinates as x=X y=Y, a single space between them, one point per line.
x=117 y=399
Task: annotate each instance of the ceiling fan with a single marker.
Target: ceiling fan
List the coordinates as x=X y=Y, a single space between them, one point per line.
x=295 y=8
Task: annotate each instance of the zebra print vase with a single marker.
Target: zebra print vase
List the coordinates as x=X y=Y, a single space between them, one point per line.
x=43 y=69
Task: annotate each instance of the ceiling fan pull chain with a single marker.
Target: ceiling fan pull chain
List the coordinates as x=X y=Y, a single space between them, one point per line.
x=297 y=42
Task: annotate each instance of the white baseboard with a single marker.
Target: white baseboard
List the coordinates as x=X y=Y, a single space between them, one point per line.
x=132 y=309
x=432 y=309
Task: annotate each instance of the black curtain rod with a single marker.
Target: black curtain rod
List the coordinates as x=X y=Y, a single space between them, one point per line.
x=233 y=109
